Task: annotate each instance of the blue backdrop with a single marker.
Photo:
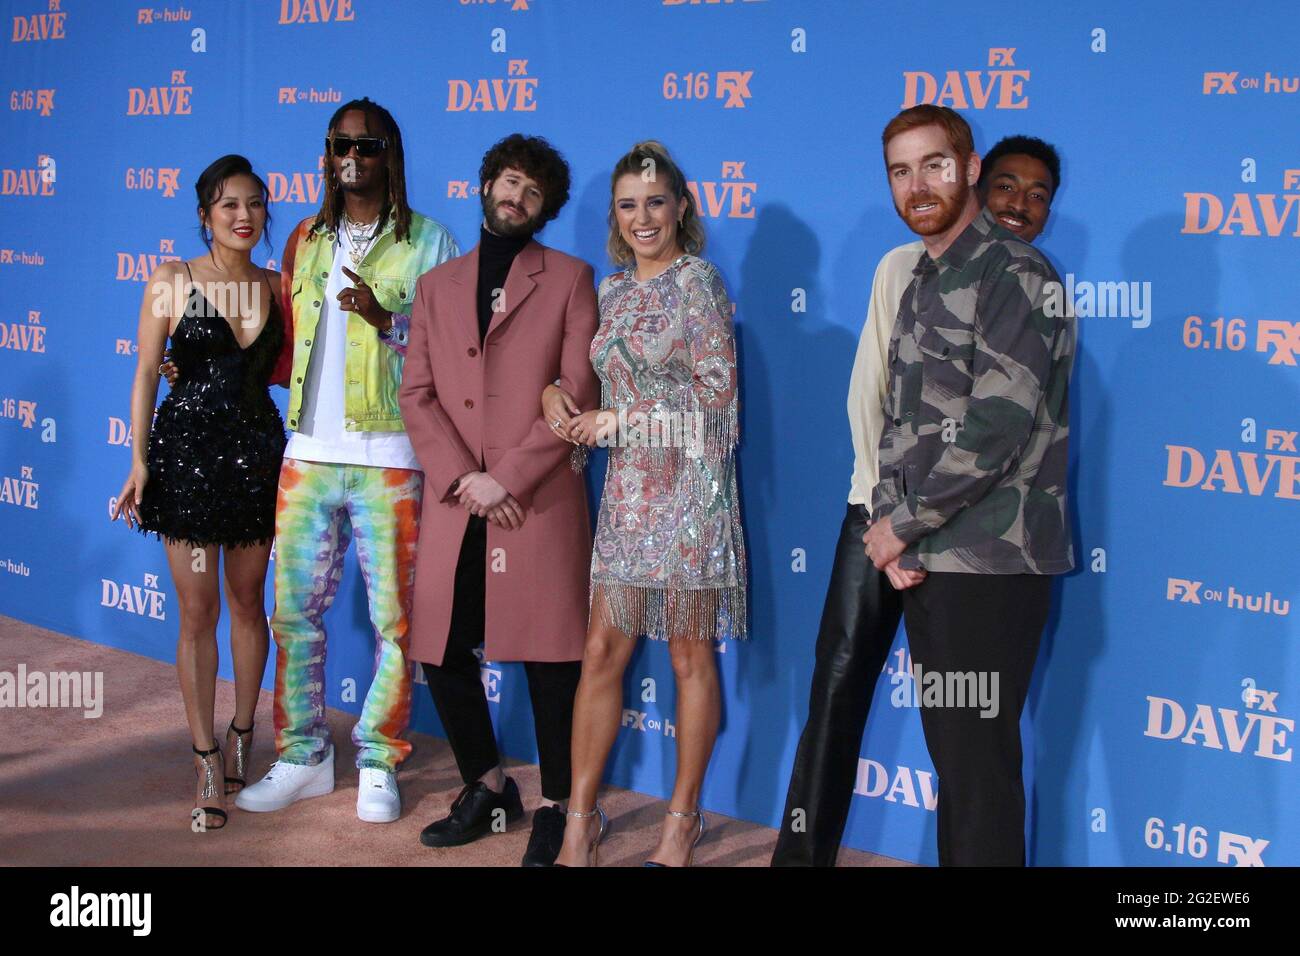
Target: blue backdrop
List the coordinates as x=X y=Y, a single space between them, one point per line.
x=1161 y=726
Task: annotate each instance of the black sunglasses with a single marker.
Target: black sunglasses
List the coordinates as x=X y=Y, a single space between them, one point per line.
x=366 y=145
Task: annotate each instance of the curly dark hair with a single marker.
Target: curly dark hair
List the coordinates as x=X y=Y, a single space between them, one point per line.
x=1032 y=146
x=535 y=158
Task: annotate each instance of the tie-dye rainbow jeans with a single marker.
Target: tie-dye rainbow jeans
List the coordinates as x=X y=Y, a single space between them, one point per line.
x=320 y=509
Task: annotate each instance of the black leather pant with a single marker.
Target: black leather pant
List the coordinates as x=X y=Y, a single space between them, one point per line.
x=859 y=621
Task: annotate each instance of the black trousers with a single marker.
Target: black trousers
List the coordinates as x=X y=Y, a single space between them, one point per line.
x=456 y=685
x=990 y=623
x=859 y=620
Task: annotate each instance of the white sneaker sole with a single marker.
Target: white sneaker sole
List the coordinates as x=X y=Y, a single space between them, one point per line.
x=254 y=805
x=375 y=815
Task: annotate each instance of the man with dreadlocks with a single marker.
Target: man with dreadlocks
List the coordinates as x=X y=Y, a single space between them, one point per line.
x=349 y=469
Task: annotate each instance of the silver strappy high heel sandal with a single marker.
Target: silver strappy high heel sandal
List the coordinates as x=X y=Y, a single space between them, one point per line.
x=699 y=833
x=206 y=815
x=239 y=744
x=593 y=849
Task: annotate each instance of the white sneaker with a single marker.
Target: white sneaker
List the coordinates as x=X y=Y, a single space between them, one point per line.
x=287 y=783
x=377 y=798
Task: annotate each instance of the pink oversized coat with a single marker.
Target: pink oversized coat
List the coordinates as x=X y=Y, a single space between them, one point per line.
x=464 y=403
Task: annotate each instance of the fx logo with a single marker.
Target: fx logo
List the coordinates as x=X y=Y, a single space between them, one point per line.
x=7 y=256
x=1004 y=55
x=1280 y=438
x=734 y=84
x=288 y=94
x=634 y=719
x=1283 y=336
x=1187 y=589
x=458 y=189
x=167 y=182
x=1266 y=700
x=1239 y=850
x=1220 y=82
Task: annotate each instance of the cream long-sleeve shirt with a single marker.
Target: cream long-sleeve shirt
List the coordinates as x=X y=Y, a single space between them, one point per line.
x=870 y=379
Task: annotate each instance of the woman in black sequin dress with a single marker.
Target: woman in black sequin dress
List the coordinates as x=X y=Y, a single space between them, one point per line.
x=205 y=469
x=217 y=439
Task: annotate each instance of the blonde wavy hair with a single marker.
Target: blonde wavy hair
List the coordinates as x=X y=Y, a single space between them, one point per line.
x=653 y=155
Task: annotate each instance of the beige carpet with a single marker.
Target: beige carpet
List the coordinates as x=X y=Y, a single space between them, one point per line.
x=116 y=790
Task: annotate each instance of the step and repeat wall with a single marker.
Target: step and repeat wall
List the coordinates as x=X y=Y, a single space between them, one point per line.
x=1161 y=725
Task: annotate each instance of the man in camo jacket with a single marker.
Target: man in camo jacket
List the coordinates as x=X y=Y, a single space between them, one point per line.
x=973 y=468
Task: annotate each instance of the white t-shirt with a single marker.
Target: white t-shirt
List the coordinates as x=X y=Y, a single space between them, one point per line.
x=321 y=436
x=870 y=379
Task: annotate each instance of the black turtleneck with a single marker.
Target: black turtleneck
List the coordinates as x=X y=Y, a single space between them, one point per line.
x=495 y=256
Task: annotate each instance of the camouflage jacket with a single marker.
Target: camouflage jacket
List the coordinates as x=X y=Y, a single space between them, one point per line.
x=973 y=458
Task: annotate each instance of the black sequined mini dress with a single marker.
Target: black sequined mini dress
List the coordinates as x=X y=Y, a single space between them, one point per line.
x=217 y=439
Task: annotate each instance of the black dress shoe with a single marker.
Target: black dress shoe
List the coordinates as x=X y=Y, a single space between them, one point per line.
x=472 y=815
x=547 y=837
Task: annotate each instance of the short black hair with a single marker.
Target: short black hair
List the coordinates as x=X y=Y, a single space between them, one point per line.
x=535 y=158
x=1042 y=151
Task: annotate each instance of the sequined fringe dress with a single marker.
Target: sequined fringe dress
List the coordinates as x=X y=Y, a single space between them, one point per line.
x=669 y=554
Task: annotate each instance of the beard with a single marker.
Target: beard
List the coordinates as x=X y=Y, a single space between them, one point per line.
x=937 y=221
x=503 y=226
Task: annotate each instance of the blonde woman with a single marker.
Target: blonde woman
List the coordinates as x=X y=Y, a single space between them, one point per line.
x=668 y=560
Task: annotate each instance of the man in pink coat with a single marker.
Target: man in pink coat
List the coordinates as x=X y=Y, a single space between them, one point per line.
x=505 y=537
